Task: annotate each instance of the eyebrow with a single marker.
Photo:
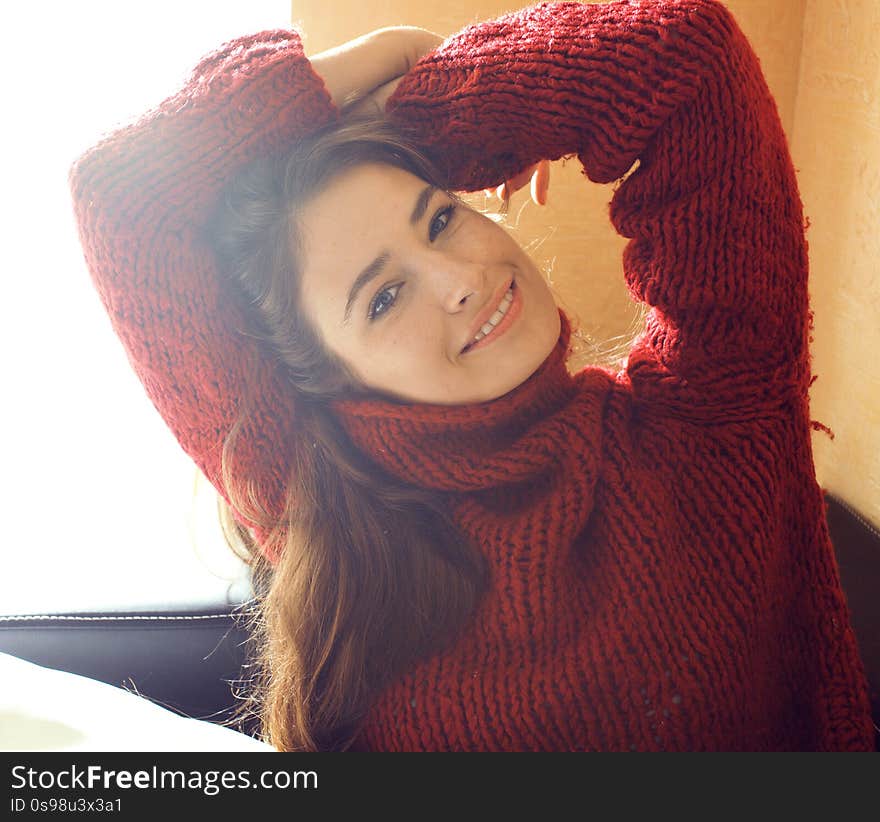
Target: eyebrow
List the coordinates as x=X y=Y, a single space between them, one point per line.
x=374 y=269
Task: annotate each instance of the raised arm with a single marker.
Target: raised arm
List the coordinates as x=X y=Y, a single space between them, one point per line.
x=713 y=212
x=143 y=195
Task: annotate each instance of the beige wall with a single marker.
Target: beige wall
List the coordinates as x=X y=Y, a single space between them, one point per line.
x=837 y=148
x=822 y=63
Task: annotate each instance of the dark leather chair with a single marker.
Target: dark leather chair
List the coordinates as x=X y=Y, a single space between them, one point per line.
x=190 y=661
x=857 y=545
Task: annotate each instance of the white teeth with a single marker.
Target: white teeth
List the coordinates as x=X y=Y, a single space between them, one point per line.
x=496 y=317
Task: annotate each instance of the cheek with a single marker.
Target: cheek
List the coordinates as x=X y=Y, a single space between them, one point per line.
x=420 y=333
x=410 y=355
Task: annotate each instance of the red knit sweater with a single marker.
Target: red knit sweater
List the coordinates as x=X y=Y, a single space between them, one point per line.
x=661 y=571
x=662 y=575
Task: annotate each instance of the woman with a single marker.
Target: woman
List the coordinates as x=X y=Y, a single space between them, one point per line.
x=460 y=545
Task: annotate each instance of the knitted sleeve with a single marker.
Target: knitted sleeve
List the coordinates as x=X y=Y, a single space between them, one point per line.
x=713 y=212
x=141 y=198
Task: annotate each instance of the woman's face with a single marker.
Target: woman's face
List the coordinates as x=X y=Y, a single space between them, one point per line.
x=399 y=279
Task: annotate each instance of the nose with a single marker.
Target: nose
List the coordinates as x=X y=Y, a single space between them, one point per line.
x=456 y=280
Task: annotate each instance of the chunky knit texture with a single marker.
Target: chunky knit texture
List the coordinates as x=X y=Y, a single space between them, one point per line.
x=662 y=576
x=142 y=197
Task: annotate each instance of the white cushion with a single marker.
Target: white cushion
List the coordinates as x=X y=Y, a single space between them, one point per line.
x=47 y=710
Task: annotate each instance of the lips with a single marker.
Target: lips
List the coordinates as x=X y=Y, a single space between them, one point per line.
x=499 y=302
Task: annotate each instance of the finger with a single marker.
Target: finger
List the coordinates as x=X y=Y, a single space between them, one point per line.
x=505 y=190
x=516 y=182
x=540 y=182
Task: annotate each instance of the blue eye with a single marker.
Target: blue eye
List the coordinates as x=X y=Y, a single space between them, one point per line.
x=387 y=297
x=441 y=221
x=380 y=305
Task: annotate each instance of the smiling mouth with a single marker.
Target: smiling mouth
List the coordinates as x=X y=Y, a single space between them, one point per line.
x=493 y=321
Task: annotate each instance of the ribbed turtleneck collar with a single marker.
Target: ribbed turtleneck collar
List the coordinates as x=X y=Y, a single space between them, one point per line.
x=509 y=440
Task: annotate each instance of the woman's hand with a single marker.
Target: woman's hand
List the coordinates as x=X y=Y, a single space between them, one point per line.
x=538 y=177
x=363 y=73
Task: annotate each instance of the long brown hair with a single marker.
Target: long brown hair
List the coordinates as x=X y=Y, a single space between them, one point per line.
x=372 y=574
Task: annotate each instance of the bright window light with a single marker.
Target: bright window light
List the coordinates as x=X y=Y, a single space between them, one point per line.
x=102 y=508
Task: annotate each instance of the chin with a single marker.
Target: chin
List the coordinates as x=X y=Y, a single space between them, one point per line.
x=515 y=380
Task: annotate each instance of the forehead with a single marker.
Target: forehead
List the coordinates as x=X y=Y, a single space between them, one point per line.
x=346 y=226
x=360 y=201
